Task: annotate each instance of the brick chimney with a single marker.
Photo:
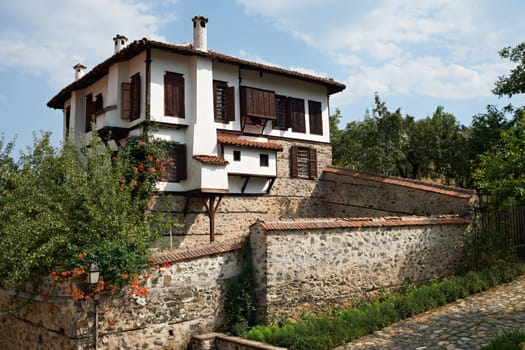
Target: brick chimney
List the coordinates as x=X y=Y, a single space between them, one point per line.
x=120 y=42
x=199 y=33
x=80 y=70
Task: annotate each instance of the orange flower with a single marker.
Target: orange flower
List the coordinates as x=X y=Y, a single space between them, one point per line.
x=134 y=183
x=149 y=157
x=82 y=255
x=141 y=167
x=135 y=169
x=141 y=143
x=152 y=170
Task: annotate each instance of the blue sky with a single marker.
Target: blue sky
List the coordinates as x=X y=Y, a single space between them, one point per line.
x=415 y=54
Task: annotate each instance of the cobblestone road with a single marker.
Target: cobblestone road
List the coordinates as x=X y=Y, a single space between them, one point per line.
x=469 y=323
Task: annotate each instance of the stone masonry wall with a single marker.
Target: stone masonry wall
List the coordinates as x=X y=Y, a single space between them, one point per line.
x=186 y=294
x=304 y=263
x=350 y=193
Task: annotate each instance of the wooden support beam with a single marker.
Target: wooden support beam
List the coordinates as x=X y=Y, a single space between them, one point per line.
x=211 y=209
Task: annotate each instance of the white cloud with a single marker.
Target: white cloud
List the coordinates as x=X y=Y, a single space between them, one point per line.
x=49 y=37
x=439 y=48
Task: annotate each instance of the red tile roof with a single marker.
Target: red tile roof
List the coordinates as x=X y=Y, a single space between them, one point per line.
x=179 y=254
x=213 y=160
x=390 y=221
x=139 y=46
x=234 y=141
x=409 y=183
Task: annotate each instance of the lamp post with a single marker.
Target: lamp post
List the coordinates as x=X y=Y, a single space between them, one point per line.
x=93 y=278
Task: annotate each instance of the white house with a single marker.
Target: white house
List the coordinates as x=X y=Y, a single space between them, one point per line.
x=230 y=117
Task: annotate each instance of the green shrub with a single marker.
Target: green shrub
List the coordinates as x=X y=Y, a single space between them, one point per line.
x=507 y=341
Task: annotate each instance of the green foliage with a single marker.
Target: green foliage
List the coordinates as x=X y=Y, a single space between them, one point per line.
x=515 y=82
x=62 y=208
x=239 y=298
x=502 y=169
x=485 y=247
x=507 y=341
x=325 y=332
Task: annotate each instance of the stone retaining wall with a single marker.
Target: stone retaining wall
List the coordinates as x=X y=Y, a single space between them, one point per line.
x=186 y=295
x=306 y=263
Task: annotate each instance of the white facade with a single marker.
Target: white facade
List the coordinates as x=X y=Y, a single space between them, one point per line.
x=211 y=165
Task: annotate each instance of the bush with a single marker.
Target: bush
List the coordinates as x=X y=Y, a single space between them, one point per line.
x=507 y=341
x=62 y=208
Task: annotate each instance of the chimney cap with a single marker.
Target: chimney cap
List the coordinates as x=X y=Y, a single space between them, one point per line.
x=201 y=19
x=79 y=66
x=118 y=37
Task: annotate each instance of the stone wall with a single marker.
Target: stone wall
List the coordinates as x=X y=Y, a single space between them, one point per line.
x=186 y=295
x=304 y=263
x=351 y=193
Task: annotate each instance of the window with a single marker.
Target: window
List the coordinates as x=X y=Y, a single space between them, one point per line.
x=297 y=114
x=257 y=103
x=282 y=113
x=303 y=162
x=176 y=165
x=174 y=95
x=68 y=121
x=223 y=101
x=134 y=98
x=237 y=156
x=90 y=113
x=263 y=160
x=316 y=119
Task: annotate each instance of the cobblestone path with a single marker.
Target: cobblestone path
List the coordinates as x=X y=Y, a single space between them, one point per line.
x=469 y=323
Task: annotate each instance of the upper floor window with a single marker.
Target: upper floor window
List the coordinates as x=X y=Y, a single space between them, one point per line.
x=257 y=103
x=236 y=156
x=264 y=160
x=93 y=106
x=303 y=162
x=315 y=117
x=282 y=114
x=176 y=169
x=297 y=114
x=223 y=101
x=130 y=98
x=174 y=95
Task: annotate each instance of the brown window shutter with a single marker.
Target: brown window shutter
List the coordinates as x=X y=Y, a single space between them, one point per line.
x=293 y=161
x=257 y=103
x=174 y=95
x=169 y=98
x=90 y=111
x=125 y=100
x=297 y=114
x=315 y=117
x=135 y=97
x=180 y=162
x=313 y=163
x=230 y=103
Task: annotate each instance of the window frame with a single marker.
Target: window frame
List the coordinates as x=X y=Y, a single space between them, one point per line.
x=223 y=102
x=264 y=160
x=308 y=168
x=177 y=155
x=315 y=117
x=134 y=100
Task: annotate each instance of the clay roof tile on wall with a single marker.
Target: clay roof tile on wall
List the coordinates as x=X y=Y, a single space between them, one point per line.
x=212 y=160
x=409 y=183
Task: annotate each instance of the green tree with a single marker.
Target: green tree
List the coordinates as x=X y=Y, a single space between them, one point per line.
x=514 y=83
x=502 y=168
x=61 y=208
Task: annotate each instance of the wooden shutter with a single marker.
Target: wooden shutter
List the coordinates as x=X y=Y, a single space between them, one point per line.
x=174 y=95
x=257 y=103
x=282 y=113
x=293 y=161
x=180 y=162
x=230 y=103
x=135 y=97
x=313 y=163
x=315 y=117
x=125 y=100
x=90 y=111
x=297 y=114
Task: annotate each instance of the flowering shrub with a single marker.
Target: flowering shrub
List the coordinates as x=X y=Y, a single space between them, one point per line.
x=61 y=209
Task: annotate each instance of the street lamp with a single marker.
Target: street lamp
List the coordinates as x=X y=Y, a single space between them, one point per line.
x=93 y=278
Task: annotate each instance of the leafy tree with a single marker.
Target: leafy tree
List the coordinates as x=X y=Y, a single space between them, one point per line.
x=62 y=208
x=515 y=82
x=502 y=169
